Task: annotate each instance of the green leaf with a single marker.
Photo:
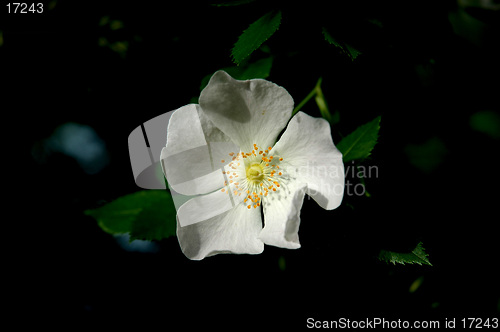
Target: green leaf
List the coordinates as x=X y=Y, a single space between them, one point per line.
x=258 y=69
x=257 y=33
x=329 y=38
x=345 y=48
x=146 y=215
x=360 y=143
x=417 y=256
x=487 y=122
x=353 y=52
x=428 y=155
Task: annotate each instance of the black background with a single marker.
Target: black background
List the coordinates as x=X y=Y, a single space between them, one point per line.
x=422 y=77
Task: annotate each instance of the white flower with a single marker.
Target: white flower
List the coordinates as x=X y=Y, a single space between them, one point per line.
x=223 y=152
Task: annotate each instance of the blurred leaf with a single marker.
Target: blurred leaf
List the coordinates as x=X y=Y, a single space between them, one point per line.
x=232 y=3
x=146 y=215
x=116 y=25
x=417 y=256
x=265 y=49
x=360 y=143
x=352 y=51
x=427 y=156
x=375 y=22
x=487 y=122
x=329 y=38
x=347 y=49
x=282 y=263
x=415 y=285
x=104 y=20
x=120 y=47
x=323 y=105
x=257 y=33
x=258 y=69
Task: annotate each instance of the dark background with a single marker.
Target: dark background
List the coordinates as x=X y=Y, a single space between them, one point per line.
x=425 y=67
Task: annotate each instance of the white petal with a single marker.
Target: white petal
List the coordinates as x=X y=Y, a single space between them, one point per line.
x=191 y=161
x=212 y=133
x=234 y=231
x=184 y=130
x=311 y=157
x=207 y=206
x=188 y=173
x=253 y=111
x=282 y=216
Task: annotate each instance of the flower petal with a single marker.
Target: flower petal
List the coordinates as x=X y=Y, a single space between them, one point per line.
x=311 y=157
x=204 y=207
x=282 y=216
x=234 y=231
x=252 y=111
x=191 y=160
x=187 y=176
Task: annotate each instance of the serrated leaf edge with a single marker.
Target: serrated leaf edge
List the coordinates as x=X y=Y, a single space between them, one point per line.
x=346 y=48
x=361 y=136
x=418 y=252
x=271 y=15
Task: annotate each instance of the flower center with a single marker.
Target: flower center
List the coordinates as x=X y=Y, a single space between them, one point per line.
x=259 y=172
x=255 y=173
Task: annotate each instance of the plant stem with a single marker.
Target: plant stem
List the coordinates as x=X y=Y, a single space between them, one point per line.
x=308 y=97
